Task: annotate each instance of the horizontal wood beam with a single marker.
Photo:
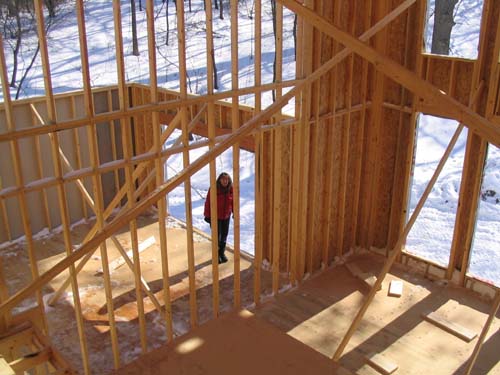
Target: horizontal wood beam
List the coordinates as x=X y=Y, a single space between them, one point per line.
x=142 y=109
x=426 y=91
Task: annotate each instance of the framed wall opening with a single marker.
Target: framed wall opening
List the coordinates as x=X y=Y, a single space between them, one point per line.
x=457 y=34
x=484 y=261
x=431 y=236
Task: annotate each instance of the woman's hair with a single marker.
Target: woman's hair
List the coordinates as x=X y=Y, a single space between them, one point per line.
x=219 y=185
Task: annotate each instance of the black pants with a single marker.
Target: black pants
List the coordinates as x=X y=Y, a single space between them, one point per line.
x=223 y=230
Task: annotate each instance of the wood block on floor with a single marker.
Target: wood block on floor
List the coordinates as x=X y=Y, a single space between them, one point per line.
x=381 y=364
x=454 y=328
x=5 y=369
x=395 y=288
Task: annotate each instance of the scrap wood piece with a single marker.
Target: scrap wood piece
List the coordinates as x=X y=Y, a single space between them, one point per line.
x=368 y=278
x=395 y=288
x=381 y=363
x=118 y=262
x=453 y=328
x=5 y=369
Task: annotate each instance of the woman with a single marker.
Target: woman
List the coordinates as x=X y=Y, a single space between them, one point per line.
x=224 y=211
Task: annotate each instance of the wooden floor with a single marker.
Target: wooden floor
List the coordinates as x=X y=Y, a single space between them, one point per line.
x=236 y=343
x=317 y=313
x=320 y=311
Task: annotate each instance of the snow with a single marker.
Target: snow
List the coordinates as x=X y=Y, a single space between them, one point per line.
x=432 y=234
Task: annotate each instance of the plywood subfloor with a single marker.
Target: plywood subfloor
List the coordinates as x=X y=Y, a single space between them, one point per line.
x=237 y=343
x=319 y=312
x=49 y=249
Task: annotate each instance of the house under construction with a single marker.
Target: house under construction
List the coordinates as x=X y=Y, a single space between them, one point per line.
x=330 y=288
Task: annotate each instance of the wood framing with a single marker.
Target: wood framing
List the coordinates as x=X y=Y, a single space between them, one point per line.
x=332 y=175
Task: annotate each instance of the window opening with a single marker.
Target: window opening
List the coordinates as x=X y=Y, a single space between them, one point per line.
x=453 y=27
x=431 y=235
x=485 y=254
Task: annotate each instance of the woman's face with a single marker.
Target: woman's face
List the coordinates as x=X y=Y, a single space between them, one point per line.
x=224 y=181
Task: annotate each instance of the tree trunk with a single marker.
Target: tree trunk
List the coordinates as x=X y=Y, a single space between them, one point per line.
x=135 y=44
x=295 y=37
x=443 y=23
x=168 y=25
x=51 y=7
x=221 y=8
x=216 y=84
x=15 y=52
x=27 y=71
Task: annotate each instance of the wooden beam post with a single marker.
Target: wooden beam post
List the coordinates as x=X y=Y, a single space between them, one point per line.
x=159 y=169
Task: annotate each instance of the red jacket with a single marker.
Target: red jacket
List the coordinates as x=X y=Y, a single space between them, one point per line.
x=224 y=203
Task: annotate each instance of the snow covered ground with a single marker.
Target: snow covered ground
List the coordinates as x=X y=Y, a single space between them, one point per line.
x=432 y=233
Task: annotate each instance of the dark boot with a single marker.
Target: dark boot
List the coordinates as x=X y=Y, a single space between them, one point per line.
x=222 y=256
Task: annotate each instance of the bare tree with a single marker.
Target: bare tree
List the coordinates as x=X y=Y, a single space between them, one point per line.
x=18 y=21
x=168 y=24
x=221 y=8
x=443 y=24
x=216 y=82
x=135 y=43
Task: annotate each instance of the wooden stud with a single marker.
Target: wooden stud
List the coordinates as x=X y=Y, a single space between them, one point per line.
x=127 y=154
x=257 y=263
x=359 y=163
x=277 y=172
x=96 y=182
x=315 y=128
x=235 y=124
x=114 y=151
x=77 y=153
x=61 y=193
x=346 y=152
x=211 y=137
x=181 y=40
x=330 y=174
x=159 y=171
x=40 y=175
x=5 y=217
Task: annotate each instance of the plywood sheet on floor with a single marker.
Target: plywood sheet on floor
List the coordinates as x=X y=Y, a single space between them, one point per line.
x=63 y=332
x=236 y=343
x=320 y=311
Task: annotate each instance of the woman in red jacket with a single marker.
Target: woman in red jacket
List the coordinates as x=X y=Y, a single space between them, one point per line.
x=224 y=211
